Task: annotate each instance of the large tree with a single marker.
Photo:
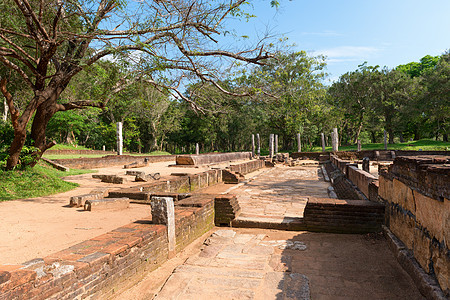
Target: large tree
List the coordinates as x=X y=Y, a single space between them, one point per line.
x=48 y=42
x=291 y=84
x=353 y=94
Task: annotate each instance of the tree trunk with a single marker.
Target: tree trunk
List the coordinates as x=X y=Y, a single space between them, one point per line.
x=358 y=131
x=44 y=113
x=445 y=137
x=20 y=135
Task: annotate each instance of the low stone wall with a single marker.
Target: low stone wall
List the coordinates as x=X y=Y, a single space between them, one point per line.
x=310 y=155
x=81 y=151
x=340 y=163
x=110 y=160
x=248 y=167
x=416 y=191
x=361 y=179
x=215 y=158
x=384 y=154
x=101 y=266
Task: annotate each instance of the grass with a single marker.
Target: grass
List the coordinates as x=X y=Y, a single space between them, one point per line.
x=42 y=180
x=424 y=144
x=68 y=147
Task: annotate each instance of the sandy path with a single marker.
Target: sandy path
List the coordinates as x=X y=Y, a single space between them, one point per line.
x=36 y=227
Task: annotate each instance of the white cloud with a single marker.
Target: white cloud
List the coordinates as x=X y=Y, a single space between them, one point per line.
x=347 y=53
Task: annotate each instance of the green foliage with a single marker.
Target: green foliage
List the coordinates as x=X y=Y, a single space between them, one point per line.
x=6 y=135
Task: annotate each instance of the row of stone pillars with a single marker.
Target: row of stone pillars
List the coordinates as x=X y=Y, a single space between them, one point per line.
x=273 y=142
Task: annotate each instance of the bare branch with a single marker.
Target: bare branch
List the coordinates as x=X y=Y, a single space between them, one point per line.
x=80 y=104
x=16 y=68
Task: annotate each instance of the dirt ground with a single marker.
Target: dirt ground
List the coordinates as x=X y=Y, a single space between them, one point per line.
x=36 y=227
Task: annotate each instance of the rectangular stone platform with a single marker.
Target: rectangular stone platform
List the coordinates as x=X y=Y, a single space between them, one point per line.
x=106 y=204
x=211 y=158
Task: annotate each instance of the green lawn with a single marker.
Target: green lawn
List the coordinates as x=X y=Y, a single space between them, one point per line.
x=42 y=180
x=425 y=145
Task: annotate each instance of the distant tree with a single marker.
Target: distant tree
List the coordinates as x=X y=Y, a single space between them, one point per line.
x=352 y=95
x=416 y=69
x=291 y=85
x=436 y=97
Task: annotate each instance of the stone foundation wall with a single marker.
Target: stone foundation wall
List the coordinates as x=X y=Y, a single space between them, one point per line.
x=214 y=158
x=248 y=167
x=309 y=155
x=110 y=160
x=416 y=191
x=101 y=266
x=361 y=179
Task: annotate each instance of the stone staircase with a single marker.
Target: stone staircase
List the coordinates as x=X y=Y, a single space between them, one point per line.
x=229 y=176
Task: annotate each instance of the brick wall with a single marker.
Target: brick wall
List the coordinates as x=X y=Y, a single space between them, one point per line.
x=101 y=266
x=247 y=167
x=416 y=191
x=110 y=160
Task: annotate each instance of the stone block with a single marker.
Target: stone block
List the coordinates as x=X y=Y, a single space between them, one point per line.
x=422 y=251
x=385 y=188
x=138 y=164
x=402 y=195
x=107 y=204
x=110 y=178
x=430 y=214
x=80 y=200
x=441 y=263
x=135 y=173
x=402 y=225
x=147 y=177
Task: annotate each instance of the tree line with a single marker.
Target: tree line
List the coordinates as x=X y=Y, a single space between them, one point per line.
x=287 y=96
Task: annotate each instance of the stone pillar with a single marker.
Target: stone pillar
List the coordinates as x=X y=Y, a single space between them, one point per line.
x=271 y=145
x=276 y=143
x=335 y=140
x=322 y=137
x=197 y=149
x=119 y=139
x=366 y=164
x=253 y=145
x=259 y=144
x=299 y=143
x=104 y=148
x=385 y=140
x=358 y=142
x=163 y=212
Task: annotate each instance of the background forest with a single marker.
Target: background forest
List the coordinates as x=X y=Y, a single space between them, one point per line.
x=287 y=95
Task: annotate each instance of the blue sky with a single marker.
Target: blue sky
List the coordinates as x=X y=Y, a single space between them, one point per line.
x=382 y=32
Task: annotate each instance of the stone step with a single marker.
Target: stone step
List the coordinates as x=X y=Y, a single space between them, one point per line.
x=107 y=204
x=286 y=223
x=343 y=216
